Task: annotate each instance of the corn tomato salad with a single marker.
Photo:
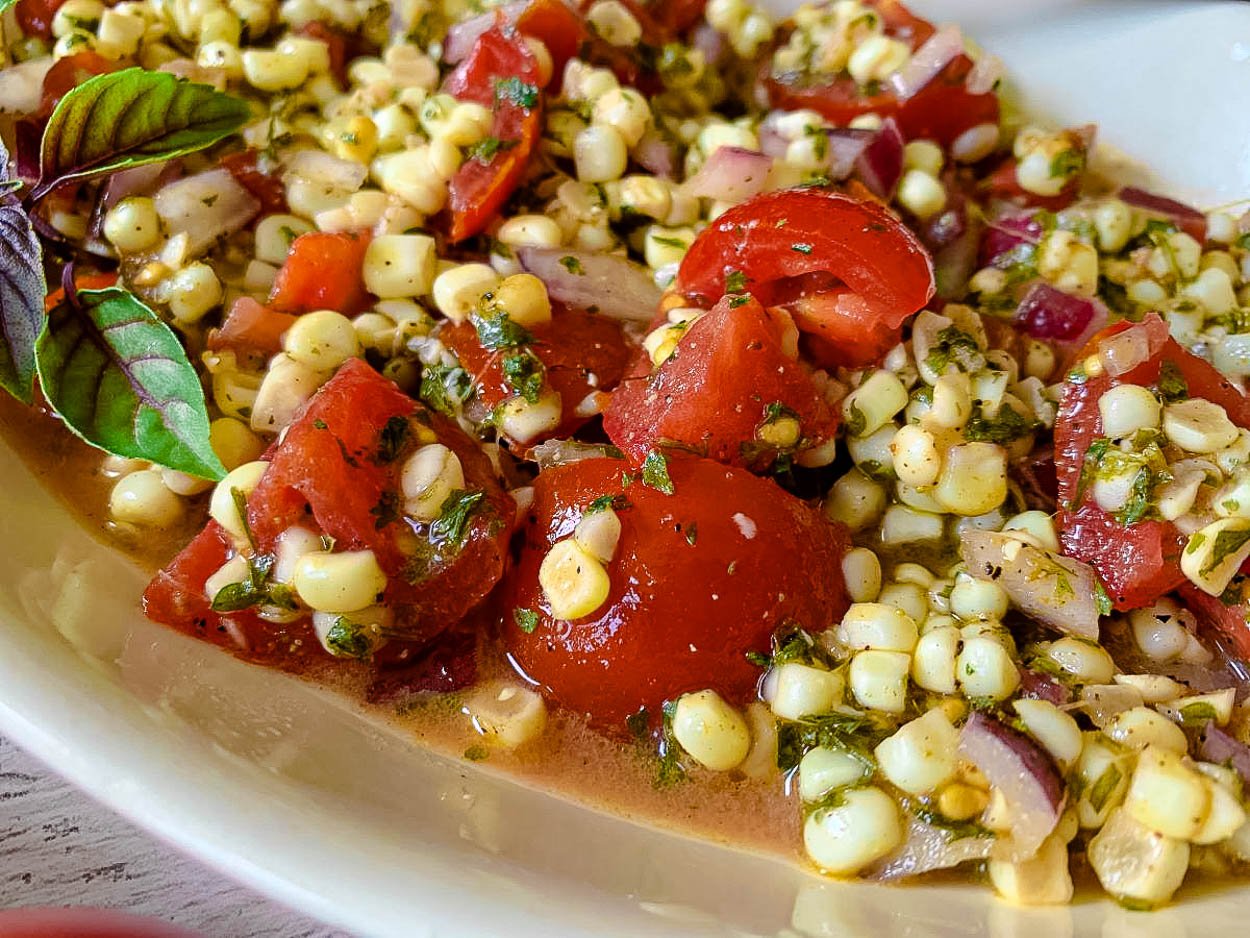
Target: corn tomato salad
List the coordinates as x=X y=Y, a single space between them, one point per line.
x=766 y=398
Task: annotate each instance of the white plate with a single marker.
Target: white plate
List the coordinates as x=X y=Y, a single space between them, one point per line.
x=292 y=792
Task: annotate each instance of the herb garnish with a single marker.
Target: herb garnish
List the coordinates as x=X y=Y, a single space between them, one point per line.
x=655 y=472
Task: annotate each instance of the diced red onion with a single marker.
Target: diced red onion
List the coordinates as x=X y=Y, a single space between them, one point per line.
x=1221 y=747
x=138 y=180
x=929 y=848
x=710 y=41
x=927 y=62
x=1025 y=775
x=206 y=206
x=1056 y=591
x=21 y=85
x=1046 y=312
x=1006 y=233
x=612 y=285
x=1139 y=343
x=657 y=155
x=731 y=174
x=1037 y=686
x=845 y=146
x=986 y=72
x=1188 y=219
x=324 y=168
x=880 y=165
x=461 y=36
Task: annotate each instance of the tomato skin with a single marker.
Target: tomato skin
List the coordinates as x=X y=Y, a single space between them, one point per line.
x=842 y=328
x=336 y=45
x=251 y=326
x=574 y=346
x=680 y=616
x=860 y=242
x=328 y=473
x=559 y=28
x=712 y=394
x=35 y=16
x=265 y=187
x=1137 y=563
x=323 y=271
x=479 y=190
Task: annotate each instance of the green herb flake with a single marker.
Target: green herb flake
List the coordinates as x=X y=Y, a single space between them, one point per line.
x=1104 y=787
x=525 y=373
x=1006 y=426
x=740 y=299
x=516 y=92
x=320 y=424
x=953 y=347
x=655 y=472
x=692 y=533
x=486 y=149
x=670 y=769
x=572 y=265
x=801 y=247
x=735 y=281
x=1067 y=163
x=452 y=523
x=393 y=438
x=1172 y=384
x=1196 y=714
x=1227 y=542
x=497 y=331
x=526 y=620
x=346 y=639
x=604 y=502
x=445 y=387
x=477 y=754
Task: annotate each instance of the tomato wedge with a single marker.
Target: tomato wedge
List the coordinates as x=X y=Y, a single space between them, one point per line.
x=323 y=271
x=580 y=352
x=251 y=326
x=337 y=471
x=762 y=245
x=1136 y=562
x=729 y=381
x=842 y=328
x=500 y=73
x=698 y=579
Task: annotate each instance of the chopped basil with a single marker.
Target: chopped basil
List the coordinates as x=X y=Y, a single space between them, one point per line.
x=386 y=510
x=670 y=769
x=526 y=620
x=735 y=281
x=1005 y=426
x=954 y=830
x=1172 y=384
x=655 y=472
x=258 y=589
x=1196 y=714
x=452 y=523
x=1226 y=542
x=801 y=247
x=669 y=242
x=1067 y=163
x=516 y=91
x=526 y=373
x=953 y=347
x=604 y=502
x=347 y=639
x=739 y=299
x=488 y=148
x=498 y=331
x=445 y=387
x=856 y=735
x=572 y=265
x=392 y=439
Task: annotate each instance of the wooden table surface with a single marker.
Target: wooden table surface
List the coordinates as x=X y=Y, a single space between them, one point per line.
x=58 y=847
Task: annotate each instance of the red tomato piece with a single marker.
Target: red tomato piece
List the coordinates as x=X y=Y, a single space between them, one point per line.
x=843 y=328
x=1002 y=184
x=559 y=28
x=69 y=73
x=728 y=377
x=582 y=353
x=699 y=578
x=1230 y=619
x=323 y=271
x=35 y=17
x=795 y=232
x=265 y=187
x=336 y=45
x=499 y=73
x=336 y=472
x=1138 y=562
x=81 y=282
x=251 y=326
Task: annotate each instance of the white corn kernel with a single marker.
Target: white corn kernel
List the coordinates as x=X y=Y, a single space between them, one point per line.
x=347 y=581
x=921 y=194
x=1135 y=863
x=274 y=236
x=132 y=225
x=861 y=571
x=880 y=626
x=924 y=155
x=1198 y=425
x=1225 y=815
x=984 y=669
x=874 y=403
x=1127 y=408
x=952 y=401
x=1103 y=771
x=903 y=525
x=793 y=691
x=664 y=246
x=1213 y=289
x=822 y=770
x=598 y=533
x=141 y=498
x=600 y=154
x=711 y=732
x=292 y=544
x=1140 y=727
x=270 y=70
x=573 y=582
x=235 y=570
x=911 y=599
x=1213 y=555
x=1154 y=688
x=286 y=387
x=1160 y=630
x=916 y=458
x=507 y=715
x=855 y=500
x=523 y=421
x=933 y=661
x=977 y=600
x=524 y=298
x=1113 y=222
x=322 y=340
x=531 y=231
x=624 y=110
x=457 y=291
x=234 y=442
x=973 y=479
x=877 y=58
x=192 y=292
x=1196 y=709
x=612 y=20
x=1042 y=879
x=1039 y=525
x=920 y=757
x=975 y=143
x=1166 y=795
x=863 y=828
x=1055 y=729
x=428 y=477
x=398 y=266
x=224 y=506
x=878 y=679
x=1088 y=662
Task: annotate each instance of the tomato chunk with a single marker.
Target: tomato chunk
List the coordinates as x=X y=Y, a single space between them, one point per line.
x=1228 y=614
x=698 y=579
x=843 y=328
x=761 y=245
x=728 y=388
x=1140 y=561
x=266 y=187
x=499 y=73
x=323 y=271
x=251 y=326
x=337 y=472
x=580 y=354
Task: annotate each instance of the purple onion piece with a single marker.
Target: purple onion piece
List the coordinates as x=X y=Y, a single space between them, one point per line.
x=1048 y=313
x=657 y=155
x=462 y=36
x=731 y=174
x=1186 y=217
x=612 y=285
x=1037 y=686
x=929 y=848
x=880 y=166
x=1217 y=745
x=845 y=146
x=1006 y=233
x=1025 y=775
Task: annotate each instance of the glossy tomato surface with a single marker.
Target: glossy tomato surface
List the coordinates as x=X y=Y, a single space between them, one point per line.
x=734 y=370
x=1138 y=562
x=323 y=271
x=699 y=578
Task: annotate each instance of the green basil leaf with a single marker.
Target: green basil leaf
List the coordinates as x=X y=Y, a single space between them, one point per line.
x=129 y=118
x=22 y=290
x=121 y=380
